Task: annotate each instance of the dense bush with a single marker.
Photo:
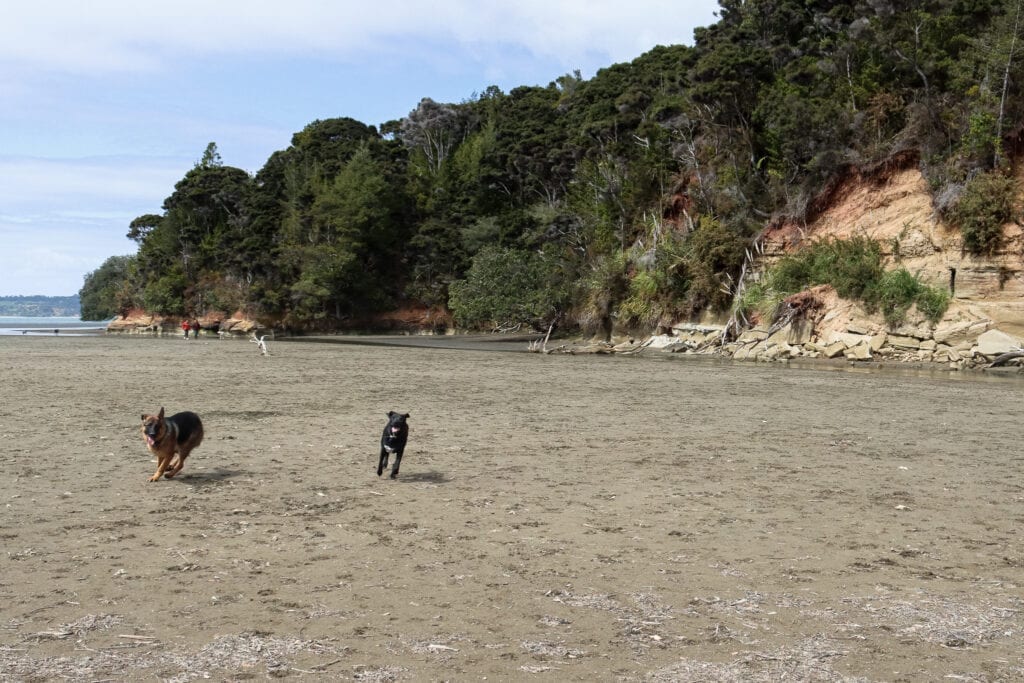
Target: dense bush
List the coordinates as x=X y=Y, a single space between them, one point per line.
x=984 y=206
x=506 y=287
x=850 y=266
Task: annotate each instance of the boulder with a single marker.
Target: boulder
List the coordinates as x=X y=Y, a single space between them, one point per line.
x=754 y=335
x=963 y=331
x=996 y=342
x=919 y=331
x=834 y=350
x=660 y=341
x=904 y=342
x=847 y=339
x=793 y=334
x=238 y=326
x=858 y=352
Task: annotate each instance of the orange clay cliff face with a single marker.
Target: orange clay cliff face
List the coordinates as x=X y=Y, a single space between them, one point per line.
x=897 y=212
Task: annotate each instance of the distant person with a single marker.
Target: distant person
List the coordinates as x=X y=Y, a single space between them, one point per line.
x=184 y=327
x=195 y=329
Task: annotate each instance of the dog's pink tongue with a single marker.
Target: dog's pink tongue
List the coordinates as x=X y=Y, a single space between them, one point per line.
x=149 y=440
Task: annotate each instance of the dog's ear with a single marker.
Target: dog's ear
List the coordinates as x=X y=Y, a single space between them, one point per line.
x=144 y=417
x=160 y=415
x=391 y=413
x=406 y=416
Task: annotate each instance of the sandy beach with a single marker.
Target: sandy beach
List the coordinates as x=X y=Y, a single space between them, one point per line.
x=557 y=518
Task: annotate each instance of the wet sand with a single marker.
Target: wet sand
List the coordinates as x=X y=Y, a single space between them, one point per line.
x=651 y=518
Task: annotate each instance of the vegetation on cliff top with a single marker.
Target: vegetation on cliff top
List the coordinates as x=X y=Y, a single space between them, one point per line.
x=627 y=198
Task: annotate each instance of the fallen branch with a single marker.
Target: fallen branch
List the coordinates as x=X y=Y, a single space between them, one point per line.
x=543 y=348
x=1005 y=358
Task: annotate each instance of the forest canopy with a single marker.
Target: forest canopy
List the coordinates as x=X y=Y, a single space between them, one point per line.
x=627 y=198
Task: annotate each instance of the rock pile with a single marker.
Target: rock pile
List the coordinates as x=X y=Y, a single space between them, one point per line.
x=956 y=345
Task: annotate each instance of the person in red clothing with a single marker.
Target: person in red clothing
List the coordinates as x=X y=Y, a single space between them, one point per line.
x=184 y=327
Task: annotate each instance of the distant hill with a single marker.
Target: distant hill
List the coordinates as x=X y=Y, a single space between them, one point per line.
x=39 y=306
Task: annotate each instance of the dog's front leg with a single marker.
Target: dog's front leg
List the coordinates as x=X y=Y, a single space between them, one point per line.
x=383 y=462
x=161 y=467
x=398 y=463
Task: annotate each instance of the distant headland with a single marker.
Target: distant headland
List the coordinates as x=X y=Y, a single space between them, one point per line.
x=40 y=306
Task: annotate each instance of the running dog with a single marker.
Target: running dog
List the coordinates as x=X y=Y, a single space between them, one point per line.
x=180 y=433
x=392 y=441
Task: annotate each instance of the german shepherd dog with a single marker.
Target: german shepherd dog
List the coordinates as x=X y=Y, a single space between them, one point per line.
x=392 y=441
x=180 y=433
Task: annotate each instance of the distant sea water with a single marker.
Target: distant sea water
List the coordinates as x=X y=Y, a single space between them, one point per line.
x=56 y=325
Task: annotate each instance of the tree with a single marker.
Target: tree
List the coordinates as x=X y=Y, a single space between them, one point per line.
x=141 y=226
x=107 y=291
x=507 y=287
x=211 y=157
x=433 y=129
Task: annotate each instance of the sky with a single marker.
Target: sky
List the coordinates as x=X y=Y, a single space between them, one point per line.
x=107 y=104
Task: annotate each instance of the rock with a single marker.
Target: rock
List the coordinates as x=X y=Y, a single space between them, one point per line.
x=996 y=342
x=677 y=347
x=238 y=326
x=956 y=333
x=878 y=341
x=660 y=341
x=754 y=335
x=834 y=350
x=746 y=352
x=793 y=334
x=849 y=340
x=903 y=342
x=776 y=352
x=920 y=331
x=859 y=352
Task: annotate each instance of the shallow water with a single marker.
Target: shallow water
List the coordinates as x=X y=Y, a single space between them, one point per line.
x=55 y=325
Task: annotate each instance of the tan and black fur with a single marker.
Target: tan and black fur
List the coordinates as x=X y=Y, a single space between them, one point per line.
x=180 y=433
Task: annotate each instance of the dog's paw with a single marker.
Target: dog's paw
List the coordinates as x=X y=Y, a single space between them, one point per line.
x=155 y=477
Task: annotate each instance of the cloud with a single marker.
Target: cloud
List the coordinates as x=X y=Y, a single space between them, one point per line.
x=61 y=218
x=117 y=35
x=48 y=186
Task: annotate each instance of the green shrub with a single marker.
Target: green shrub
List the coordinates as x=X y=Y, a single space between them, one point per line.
x=713 y=252
x=855 y=269
x=893 y=294
x=506 y=286
x=639 y=307
x=933 y=302
x=848 y=265
x=985 y=204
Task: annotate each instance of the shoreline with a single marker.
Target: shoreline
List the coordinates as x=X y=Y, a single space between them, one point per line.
x=519 y=344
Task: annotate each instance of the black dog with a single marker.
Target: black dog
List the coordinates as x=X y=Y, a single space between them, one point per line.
x=396 y=433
